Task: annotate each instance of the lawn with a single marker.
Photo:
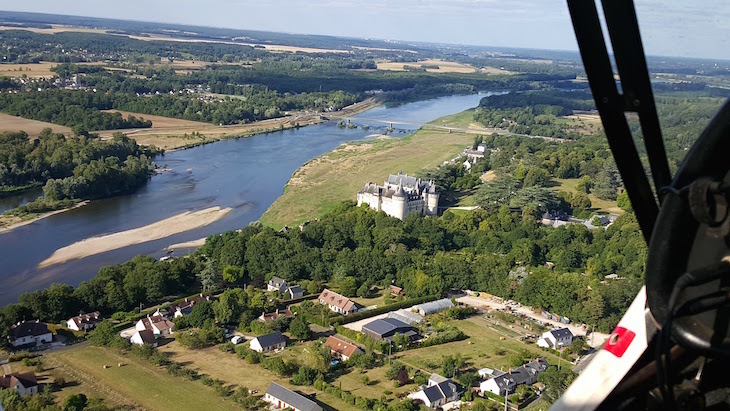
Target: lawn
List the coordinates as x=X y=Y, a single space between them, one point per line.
x=318 y=186
x=229 y=368
x=568 y=184
x=136 y=382
x=483 y=348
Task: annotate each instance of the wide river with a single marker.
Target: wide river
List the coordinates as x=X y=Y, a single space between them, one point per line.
x=247 y=174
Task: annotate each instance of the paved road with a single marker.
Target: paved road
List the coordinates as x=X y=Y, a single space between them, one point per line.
x=597 y=339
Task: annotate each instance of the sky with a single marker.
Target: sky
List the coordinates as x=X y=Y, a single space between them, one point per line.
x=669 y=27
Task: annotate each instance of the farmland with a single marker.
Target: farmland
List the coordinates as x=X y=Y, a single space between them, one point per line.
x=32 y=127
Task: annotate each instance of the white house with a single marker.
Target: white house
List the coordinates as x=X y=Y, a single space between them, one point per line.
x=283 y=398
x=556 y=339
x=439 y=392
x=268 y=343
x=295 y=291
x=84 y=322
x=277 y=284
x=29 y=333
x=337 y=303
x=158 y=324
x=144 y=337
x=24 y=384
x=504 y=383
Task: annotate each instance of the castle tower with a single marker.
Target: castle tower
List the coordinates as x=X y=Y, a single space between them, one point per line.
x=400 y=200
x=432 y=200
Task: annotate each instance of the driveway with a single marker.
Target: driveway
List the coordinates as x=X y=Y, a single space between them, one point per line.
x=596 y=340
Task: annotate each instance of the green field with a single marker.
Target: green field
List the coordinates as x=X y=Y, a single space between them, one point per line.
x=568 y=184
x=321 y=184
x=136 y=382
x=464 y=119
x=483 y=348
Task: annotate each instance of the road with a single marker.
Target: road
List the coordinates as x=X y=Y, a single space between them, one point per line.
x=595 y=341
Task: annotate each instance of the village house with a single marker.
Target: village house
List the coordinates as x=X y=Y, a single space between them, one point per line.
x=24 y=384
x=387 y=328
x=284 y=398
x=29 y=333
x=337 y=303
x=144 y=337
x=504 y=383
x=268 y=343
x=84 y=322
x=556 y=339
x=157 y=323
x=282 y=286
x=295 y=291
x=396 y=291
x=277 y=284
x=341 y=350
x=401 y=195
x=186 y=307
x=473 y=154
x=439 y=392
x=269 y=317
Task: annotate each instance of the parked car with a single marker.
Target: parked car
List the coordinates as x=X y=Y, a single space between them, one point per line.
x=237 y=339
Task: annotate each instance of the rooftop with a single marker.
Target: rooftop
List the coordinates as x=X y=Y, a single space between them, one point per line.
x=288 y=396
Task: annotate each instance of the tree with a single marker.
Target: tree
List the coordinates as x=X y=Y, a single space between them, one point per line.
x=299 y=328
x=536 y=177
x=585 y=184
x=75 y=402
x=348 y=286
x=230 y=305
x=450 y=364
x=624 y=202
x=556 y=381
x=209 y=276
x=233 y=274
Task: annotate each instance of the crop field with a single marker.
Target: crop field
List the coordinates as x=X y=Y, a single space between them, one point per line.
x=32 y=127
x=324 y=182
x=42 y=69
x=443 y=66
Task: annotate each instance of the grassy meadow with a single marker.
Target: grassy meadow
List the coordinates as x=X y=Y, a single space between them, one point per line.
x=321 y=184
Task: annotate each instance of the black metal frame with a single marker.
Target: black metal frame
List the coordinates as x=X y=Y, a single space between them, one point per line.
x=637 y=96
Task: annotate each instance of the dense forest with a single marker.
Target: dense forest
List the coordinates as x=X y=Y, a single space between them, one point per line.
x=490 y=251
x=77 y=167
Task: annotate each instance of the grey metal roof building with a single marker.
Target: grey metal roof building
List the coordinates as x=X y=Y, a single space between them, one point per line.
x=269 y=340
x=406 y=316
x=561 y=333
x=282 y=397
x=433 y=307
x=387 y=328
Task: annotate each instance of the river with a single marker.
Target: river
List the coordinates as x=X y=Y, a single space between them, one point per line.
x=247 y=174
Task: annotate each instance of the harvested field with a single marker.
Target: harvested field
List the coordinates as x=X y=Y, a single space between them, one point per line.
x=54 y=29
x=162 y=122
x=32 y=127
x=444 y=66
x=42 y=69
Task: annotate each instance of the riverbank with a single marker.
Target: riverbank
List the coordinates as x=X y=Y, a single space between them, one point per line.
x=173 y=135
x=9 y=223
x=322 y=183
x=164 y=228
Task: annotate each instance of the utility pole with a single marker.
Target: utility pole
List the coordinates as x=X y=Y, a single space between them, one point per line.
x=505 y=401
x=560 y=357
